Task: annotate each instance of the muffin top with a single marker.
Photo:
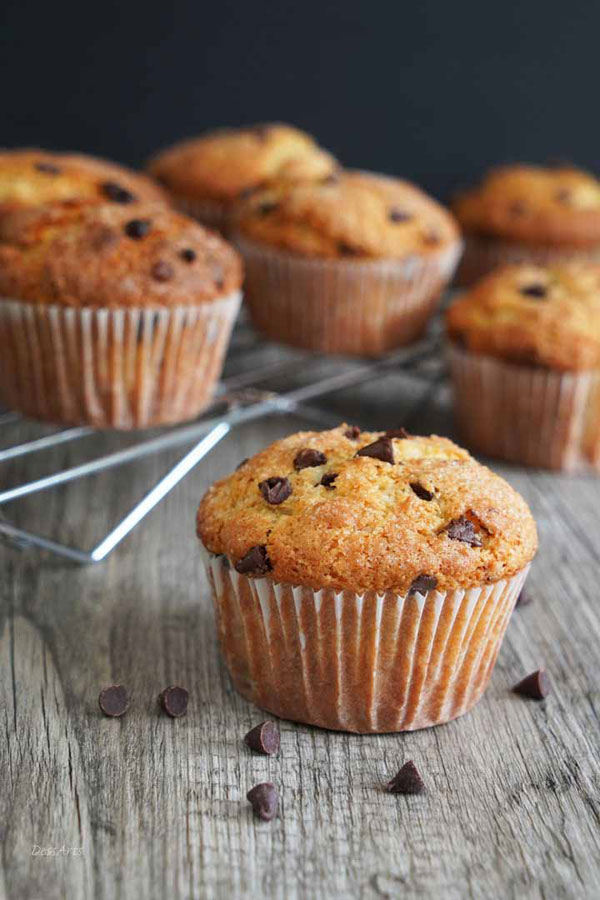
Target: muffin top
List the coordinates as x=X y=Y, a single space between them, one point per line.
x=221 y=165
x=113 y=255
x=351 y=215
x=36 y=177
x=537 y=315
x=553 y=205
x=368 y=511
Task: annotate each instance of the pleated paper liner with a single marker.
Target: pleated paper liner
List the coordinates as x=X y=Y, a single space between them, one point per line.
x=112 y=368
x=526 y=414
x=357 y=307
x=484 y=254
x=213 y=214
x=359 y=662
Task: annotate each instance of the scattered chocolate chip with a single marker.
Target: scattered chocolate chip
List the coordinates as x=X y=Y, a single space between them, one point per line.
x=462 y=529
x=381 y=449
x=188 y=255
x=241 y=463
x=47 y=168
x=162 y=271
x=563 y=196
x=407 y=781
x=116 y=193
x=113 y=700
x=264 y=800
x=534 y=290
x=537 y=686
x=524 y=599
x=306 y=459
x=255 y=562
x=352 y=433
x=267 y=207
x=328 y=479
x=421 y=492
x=422 y=584
x=137 y=228
x=275 y=490
x=401 y=433
x=347 y=250
x=399 y=215
x=174 y=701
x=263 y=738
x=332 y=178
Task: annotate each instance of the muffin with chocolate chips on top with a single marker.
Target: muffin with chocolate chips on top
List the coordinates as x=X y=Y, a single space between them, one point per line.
x=354 y=264
x=363 y=581
x=525 y=364
x=113 y=315
x=207 y=176
x=534 y=214
x=32 y=178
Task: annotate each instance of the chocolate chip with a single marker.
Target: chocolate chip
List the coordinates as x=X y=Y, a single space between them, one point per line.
x=345 y=249
x=262 y=132
x=275 y=490
x=462 y=529
x=264 y=800
x=407 y=781
x=537 y=686
x=381 y=449
x=116 y=193
x=401 y=433
x=241 y=463
x=332 y=178
x=524 y=599
x=306 y=459
x=328 y=479
x=563 y=196
x=534 y=290
x=399 y=215
x=188 y=255
x=432 y=237
x=137 y=228
x=267 y=207
x=352 y=433
x=422 y=584
x=421 y=492
x=113 y=700
x=162 y=271
x=263 y=738
x=48 y=168
x=255 y=562
x=174 y=701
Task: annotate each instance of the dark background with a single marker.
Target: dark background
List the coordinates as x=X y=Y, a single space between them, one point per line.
x=434 y=91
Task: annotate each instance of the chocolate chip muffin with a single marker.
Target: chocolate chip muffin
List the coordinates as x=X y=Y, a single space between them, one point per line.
x=30 y=178
x=524 y=213
x=354 y=264
x=114 y=315
x=363 y=581
x=525 y=361
x=207 y=175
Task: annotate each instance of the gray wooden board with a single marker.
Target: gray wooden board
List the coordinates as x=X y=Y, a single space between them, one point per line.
x=157 y=807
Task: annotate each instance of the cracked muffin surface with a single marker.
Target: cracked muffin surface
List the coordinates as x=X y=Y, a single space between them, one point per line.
x=368 y=511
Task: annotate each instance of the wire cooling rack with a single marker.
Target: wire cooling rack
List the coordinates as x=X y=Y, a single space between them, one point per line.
x=243 y=395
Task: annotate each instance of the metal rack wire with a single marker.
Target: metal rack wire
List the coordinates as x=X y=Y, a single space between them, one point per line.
x=242 y=396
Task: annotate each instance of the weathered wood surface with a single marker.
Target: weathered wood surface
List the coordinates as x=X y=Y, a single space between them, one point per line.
x=158 y=807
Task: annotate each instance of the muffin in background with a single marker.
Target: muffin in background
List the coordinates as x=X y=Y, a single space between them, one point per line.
x=113 y=315
x=525 y=365
x=354 y=264
x=30 y=178
x=524 y=213
x=206 y=176
x=364 y=581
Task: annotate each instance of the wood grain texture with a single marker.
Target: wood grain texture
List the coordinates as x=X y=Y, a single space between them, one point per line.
x=158 y=805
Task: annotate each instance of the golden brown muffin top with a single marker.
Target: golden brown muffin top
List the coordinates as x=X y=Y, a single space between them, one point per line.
x=366 y=511
x=552 y=205
x=537 y=315
x=37 y=177
x=221 y=165
x=113 y=255
x=351 y=215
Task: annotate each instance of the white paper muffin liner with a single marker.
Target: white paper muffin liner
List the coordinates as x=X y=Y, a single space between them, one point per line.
x=112 y=368
x=484 y=254
x=359 y=662
x=357 y=307
x=526 y=414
